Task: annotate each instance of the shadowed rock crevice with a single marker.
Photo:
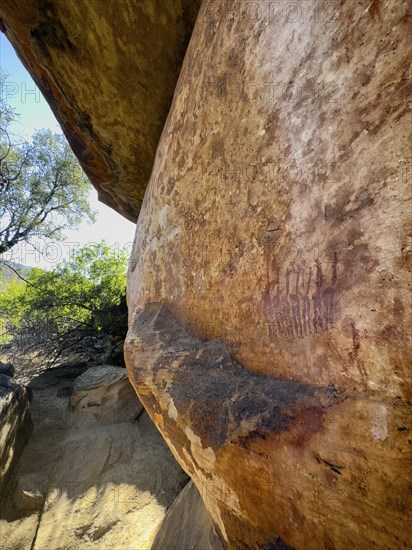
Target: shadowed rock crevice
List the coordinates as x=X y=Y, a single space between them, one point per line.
x=15 y=424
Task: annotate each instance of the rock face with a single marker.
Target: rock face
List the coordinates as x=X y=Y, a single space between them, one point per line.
x=266 y=453
x=15 y=425
x=29 y=492
x=109 y=75
x=104 y=393
x=277 y=220
x=7 y=369
x=269 y=287
x=187 y=525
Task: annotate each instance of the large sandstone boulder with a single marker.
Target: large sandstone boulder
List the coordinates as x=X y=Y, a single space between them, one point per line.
x=104 y=393
x=268 y=290
x=109 y=487
x=15 y=425
x=108 y=71
x=277 y=219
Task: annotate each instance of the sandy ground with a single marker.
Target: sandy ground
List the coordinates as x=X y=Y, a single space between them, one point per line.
x=82 y=484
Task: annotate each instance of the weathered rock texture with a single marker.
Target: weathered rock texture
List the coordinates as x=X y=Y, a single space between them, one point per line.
x=104 y=394
x=268 y=454
x=15 y=426
x=187 y=525
x=277 y=220
x=108 y=72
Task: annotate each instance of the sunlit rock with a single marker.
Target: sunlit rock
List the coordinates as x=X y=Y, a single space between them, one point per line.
x=104 y=394
x=269 y=285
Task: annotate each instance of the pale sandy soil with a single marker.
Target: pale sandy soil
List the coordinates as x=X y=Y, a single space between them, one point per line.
x=104 y=486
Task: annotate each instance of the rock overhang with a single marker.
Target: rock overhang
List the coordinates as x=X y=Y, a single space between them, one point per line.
x=113 y=122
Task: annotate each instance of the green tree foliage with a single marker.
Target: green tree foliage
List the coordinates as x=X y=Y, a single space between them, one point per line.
x=43 y=189
x=65 y=307
x=10 y=292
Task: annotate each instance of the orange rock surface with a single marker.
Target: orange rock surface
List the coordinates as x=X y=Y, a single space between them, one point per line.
x=269 y=285
x=277 y=219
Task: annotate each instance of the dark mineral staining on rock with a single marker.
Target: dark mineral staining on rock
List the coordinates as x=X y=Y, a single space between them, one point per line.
x=276 y=544
x=218 y=394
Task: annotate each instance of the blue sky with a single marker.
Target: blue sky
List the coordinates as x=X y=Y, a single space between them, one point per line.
x=22 y=94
